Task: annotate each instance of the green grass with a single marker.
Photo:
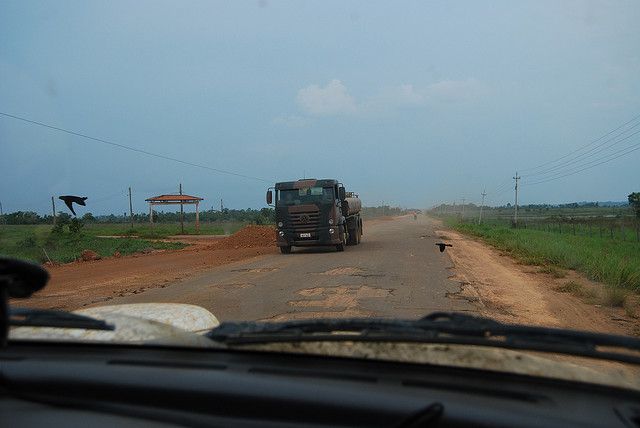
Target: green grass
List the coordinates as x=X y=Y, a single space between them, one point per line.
x=162 y=230
x=553 y=270
x=614 y=263
x=40 y=245
x=572 y=287
x=616 y=296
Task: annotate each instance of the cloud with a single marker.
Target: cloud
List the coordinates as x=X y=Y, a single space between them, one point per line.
x=394 y=98
x=456 y=92
x=400 y=96
x=330 y=100
x=453 y=93
x=334 y=100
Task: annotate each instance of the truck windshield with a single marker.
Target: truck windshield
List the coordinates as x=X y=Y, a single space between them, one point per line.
x=308 y=195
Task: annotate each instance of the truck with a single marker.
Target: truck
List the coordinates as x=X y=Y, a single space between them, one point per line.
x=312 y=212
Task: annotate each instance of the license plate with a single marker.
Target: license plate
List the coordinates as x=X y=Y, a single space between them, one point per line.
x=305 y=235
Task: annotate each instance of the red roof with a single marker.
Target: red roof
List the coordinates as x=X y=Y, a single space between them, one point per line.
x=174 y=198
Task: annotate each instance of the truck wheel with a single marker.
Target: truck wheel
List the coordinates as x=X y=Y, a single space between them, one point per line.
x=353 y=237
x=340 y=246
x=286 y=249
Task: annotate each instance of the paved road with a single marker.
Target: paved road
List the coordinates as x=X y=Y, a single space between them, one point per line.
x=397 y=271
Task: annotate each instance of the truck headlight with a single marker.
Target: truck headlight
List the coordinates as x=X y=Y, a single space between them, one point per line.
x=330 y=221
x=331 y=231
x=280 y=224
x=281 y=233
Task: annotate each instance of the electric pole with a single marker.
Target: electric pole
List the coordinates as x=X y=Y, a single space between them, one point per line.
x=53 y=207
x=515 y=220
x=463 y=199
x=130 y=208
x=482 y=205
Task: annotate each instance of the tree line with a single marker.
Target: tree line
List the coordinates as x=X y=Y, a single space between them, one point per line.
x=261 y=216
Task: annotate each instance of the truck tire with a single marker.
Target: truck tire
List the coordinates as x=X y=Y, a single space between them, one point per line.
x=286 y=249
x=353 y=237
x=340 y=246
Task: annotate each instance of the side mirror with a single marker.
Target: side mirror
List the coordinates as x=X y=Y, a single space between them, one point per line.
x=342 y=193
x=269 y=197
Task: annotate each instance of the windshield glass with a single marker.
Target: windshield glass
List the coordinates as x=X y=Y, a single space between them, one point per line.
x=305 y=196
x=488 y=152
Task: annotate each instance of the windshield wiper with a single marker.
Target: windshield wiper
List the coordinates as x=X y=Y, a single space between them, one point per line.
x=20 y=279
x=49 y=318
x=438 y=327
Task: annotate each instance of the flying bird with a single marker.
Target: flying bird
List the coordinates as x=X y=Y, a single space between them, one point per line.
x=69 y=200
x=443 y=245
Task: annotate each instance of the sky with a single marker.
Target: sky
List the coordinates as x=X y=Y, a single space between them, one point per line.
x=408 y=103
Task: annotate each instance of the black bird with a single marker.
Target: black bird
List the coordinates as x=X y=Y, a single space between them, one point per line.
x=443 y=245
x=71 y=199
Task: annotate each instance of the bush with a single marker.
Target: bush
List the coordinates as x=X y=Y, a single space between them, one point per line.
x=75 y=226
x=29 y=241
x=58 y=229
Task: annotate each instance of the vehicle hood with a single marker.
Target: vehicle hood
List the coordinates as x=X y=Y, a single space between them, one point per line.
x=149 y=323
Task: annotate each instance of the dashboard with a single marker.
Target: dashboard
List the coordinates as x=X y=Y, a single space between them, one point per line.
x=62 y=384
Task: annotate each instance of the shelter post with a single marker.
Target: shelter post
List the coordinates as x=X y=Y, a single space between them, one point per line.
x=151 y=217
x=197 y=218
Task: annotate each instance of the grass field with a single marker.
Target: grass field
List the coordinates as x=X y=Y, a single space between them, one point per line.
x=610 y=261
x=39 y=244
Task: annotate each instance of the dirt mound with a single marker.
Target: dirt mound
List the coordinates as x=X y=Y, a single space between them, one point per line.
x=88 y=255
x=248 y=237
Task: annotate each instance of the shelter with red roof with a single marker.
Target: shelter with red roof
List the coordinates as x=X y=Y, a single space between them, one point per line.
x=173 y=200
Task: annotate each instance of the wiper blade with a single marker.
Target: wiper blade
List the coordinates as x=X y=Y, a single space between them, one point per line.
x=48 y=318
x=439 y=327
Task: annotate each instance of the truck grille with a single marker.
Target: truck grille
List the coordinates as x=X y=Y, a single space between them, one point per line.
x=305 y=219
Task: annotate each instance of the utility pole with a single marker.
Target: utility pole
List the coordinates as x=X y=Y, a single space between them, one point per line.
x=130 y=208
x=515 y=220
x=53 y=205
x=463 y=199
x=482 y=205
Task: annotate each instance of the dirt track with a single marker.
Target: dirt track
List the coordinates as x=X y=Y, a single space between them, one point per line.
x=501 y=289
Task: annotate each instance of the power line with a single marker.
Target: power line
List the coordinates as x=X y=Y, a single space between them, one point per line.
x=499 y=190
x=584 y=147
x=500 y=186
x=585 y=156
x=625 y=151
x=134 y=149
x=557 y=168
x=560 y=170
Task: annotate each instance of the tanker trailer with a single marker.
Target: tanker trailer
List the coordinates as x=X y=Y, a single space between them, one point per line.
x=351 y=207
